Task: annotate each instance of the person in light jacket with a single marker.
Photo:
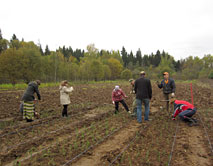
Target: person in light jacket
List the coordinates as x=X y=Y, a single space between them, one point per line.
x=64 y=96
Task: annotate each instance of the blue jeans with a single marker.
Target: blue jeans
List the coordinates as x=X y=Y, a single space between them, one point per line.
x=187 y=113
x=139 y=109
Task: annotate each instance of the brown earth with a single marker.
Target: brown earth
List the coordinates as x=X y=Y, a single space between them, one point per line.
x=152 y=147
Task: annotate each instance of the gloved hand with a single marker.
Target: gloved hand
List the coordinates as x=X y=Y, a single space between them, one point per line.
x=173 y=95
x=113 y=102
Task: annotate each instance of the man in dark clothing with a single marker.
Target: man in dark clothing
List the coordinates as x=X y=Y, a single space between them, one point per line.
x=28 y=100
x=143 y=90
x=168 y=86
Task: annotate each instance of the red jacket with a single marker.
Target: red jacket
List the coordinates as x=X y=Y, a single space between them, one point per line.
x=117 y=95
x=180 y=106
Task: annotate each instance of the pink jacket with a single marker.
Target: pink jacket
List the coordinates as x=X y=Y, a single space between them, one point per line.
x=117 y=95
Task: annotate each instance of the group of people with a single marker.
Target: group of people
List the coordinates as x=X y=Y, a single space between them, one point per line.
x=141 y=88
x=143 y=94
x=28 y=99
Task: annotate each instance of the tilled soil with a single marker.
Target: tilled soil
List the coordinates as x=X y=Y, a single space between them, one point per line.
x=191 y=148
x=52 y=140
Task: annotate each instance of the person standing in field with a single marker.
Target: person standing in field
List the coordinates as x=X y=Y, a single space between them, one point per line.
x=143 y=90
x=117 y=97
x=65 y=90
x=168 y=85
x=132 y=83
x=28 y=100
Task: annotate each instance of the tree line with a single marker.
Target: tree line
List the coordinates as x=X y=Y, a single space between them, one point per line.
x=22 y=61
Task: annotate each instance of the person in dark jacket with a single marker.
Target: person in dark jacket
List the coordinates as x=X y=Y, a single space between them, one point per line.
x=184 y=110
x=28 y=100
x=143 y=90
x=168 y=85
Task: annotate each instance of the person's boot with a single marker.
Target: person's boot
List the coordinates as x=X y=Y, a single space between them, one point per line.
x=66 y=114
x=29 y=120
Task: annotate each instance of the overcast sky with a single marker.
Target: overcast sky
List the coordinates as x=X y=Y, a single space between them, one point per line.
x=180 y=27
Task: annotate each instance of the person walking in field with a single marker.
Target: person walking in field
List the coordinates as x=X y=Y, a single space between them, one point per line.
x=143 y=90
x=65 y=90
x=184 y=110
x=28 y=100
x=132 y=83
x=168 y=85
x=117 y=97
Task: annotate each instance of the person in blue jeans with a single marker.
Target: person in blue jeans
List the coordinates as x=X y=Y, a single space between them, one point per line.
x=143 y=90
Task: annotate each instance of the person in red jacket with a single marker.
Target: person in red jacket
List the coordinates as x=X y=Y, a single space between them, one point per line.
x=184 y=110
x=117 y=96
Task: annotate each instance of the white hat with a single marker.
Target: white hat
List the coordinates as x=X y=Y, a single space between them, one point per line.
x=116 y=87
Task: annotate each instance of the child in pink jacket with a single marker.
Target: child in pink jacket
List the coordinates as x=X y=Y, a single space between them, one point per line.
x=117 y=96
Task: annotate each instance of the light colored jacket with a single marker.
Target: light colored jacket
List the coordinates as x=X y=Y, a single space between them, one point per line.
x=64 y=94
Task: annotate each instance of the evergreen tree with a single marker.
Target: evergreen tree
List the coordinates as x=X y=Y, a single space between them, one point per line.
x=139 y=57
x=124 y=56
x=131 y=58
x=156 y=59
x=3 y=43
x=14 y=42
x=1 y=35
x=47 y=51
x=14 y=37
x=41 y=50
x=146 y=61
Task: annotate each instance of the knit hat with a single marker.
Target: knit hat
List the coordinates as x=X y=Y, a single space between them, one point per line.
x=116 y=87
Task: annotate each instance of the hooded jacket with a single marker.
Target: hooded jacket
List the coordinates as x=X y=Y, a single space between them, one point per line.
x=64 y=94
x=29 y=93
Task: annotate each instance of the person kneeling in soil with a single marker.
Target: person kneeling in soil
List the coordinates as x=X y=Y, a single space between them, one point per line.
x=117 y=96
x=64 y=96
x=184 y=110
x=29 y=99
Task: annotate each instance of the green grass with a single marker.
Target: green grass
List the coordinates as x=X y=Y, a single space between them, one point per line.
x=51 y=84
x=23 y=86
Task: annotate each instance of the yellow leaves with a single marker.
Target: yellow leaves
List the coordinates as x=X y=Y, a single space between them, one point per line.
x=116 y=67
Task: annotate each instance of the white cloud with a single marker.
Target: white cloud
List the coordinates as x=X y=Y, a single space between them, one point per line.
x=180 y=27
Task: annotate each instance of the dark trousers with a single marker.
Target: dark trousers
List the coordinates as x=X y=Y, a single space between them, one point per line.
x=64 y=112
x=188 y=113
x=123 y=103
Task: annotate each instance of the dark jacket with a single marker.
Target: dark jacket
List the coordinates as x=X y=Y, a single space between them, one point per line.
x=169 y=87
x=29 y=93
x=143 y=88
